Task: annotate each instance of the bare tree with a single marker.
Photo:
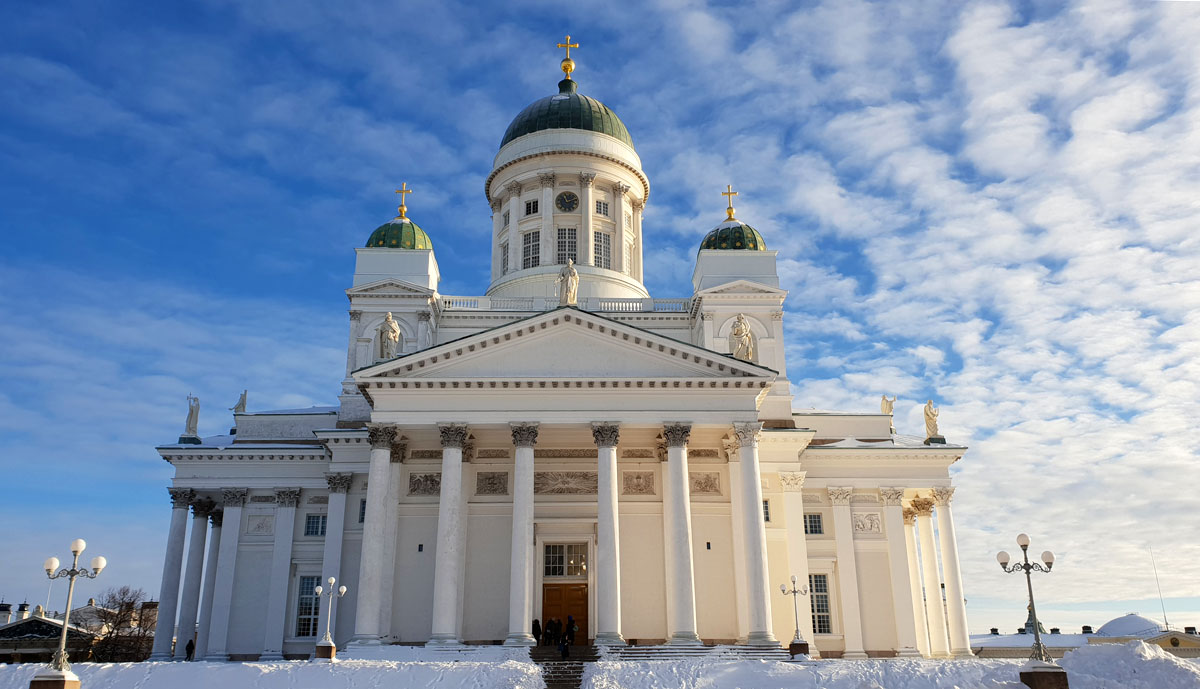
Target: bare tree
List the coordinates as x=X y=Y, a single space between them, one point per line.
x=124 y=627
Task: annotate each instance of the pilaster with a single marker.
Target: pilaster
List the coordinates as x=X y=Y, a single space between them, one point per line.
x=797 y=542
x=906 y=625
x=286 y=500
x=847 y=568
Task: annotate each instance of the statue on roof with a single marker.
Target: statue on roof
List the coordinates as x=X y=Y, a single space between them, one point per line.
x=886 y=405
x=931 y=420
x=193 y=416
x=1029 y=622
x=741 y=340
x=389 y=337
x=568 y=285
x=240 y=407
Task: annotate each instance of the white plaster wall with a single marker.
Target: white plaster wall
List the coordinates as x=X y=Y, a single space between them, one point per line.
x=250 y=593
x=716 y=611
x=834 y=425
x=643 y=594
x=782 y=614
x=715 y=267
x=485 y=602
x=875 y=599
x=416 y=266
x=346 y=607
x=412 y=602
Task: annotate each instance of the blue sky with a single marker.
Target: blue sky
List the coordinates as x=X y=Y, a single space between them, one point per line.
x=993 y=205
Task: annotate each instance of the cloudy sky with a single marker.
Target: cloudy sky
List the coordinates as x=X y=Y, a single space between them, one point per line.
x=993 y=205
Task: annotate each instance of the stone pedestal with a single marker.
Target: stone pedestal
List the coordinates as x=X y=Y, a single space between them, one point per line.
x=798 y=648
x=1039 y=675
x=935 y=440
x=54 y=679
x=326 y=652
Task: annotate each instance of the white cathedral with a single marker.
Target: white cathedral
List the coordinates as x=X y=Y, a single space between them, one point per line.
x=564 y=444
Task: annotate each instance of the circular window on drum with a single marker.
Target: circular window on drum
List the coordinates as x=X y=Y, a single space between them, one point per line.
x=567 y=202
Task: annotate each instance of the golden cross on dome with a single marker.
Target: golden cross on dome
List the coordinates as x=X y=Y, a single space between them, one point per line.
x=729 y=193
x=568 y=65
x=402 y=191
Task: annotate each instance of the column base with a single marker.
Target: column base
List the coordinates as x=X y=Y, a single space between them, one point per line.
x=216 y=658
x=608 y=639
x=761 y=639
x=268 y=656
x=444 y=641
x=364 y=640
x=855 y=655
x=159 y=657
x=685 y=639
x=909 y=653
x=961 y=653
x=54 y=679
x=520 y=640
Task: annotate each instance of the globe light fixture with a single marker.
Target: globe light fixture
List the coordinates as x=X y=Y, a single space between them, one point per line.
x=326 y=650
x=1040 y=671
x=798 y=646
x=58 y=675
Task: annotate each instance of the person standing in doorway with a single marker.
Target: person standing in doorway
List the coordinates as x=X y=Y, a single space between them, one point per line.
x=570 y=631
x=190 y=649
x=537 y=632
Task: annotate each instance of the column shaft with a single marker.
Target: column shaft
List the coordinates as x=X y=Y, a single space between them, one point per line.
x=391 y=528
x=934 y=612
x=914 y=582
x=586 y=227
x=906 y=625
x=797 y=541
x=847 y=568
x=189 y=601
x=737 y=515
x=520 y=571
x=275 y=623
x=218 y=628
x=754 y=538
x=370 y=572
x=335 y=529
x=956 y=609
x=608 y=540
x=682 y=589
x=168 y=593
x=210 y=583
x=449 y=540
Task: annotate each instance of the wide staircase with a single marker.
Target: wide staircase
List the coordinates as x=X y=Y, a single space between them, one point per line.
x=722 y=652
x=559 y=673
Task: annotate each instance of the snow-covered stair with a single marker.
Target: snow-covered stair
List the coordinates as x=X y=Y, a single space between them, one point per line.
x=723 y=652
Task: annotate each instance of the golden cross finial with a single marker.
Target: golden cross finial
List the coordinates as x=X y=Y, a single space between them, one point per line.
x=568 y=65
x=402 y=191
x=729 y=193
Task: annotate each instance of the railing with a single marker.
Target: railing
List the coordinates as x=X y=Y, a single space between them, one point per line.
x=597 y=304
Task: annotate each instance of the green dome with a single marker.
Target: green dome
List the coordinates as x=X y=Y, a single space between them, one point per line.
x=734 y=234
x=399 y=233
x=567 y=110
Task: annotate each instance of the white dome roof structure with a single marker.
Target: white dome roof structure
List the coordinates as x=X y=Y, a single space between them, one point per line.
x=1132 y=624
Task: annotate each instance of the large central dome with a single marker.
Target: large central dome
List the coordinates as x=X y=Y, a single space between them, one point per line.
x=567 y=110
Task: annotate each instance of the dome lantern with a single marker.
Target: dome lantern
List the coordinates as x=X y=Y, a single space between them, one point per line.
x=400 y=232
x=733 y=234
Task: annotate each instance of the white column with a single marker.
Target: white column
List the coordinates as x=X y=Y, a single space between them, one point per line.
x=168 y=592
x=608 y=539
x=370 y=571
x=619 y=204
x=189 y=600
x=754 y=537
x=514 y=216
x=681 y=587
x=449 y=539
x=914 y=581
x=497 y=239
x=218 y=628
x=843 y=534
x=391 y=528
x=636 y=269
x=335 y=527
x=520 y=570
x=956 y=608
x=737 y=516
x=587 y=214
x=797 y=542
x=549 y=233
x=210 y=584
x=893 y=520
x=280 y=575
x=352 y=344
x=934 y=614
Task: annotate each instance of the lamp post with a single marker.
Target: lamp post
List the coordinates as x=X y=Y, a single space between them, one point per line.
x=1040 y=672
x=798 y=646
x=58 y=675
x=326 y=650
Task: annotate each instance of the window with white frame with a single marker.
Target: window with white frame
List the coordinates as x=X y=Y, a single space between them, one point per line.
x=307 y=607
x=818 y=593
x=602 y=250
x=602 y=208
x=314 y=524
x=505 y=216
x=813 y=524
x=629 y=258
x=504 y=258
x=362 y=511
x=566 y=245
x=565 y=560
x=766 y=510
x=531 y=256
x=628 y=219
x=531 y=207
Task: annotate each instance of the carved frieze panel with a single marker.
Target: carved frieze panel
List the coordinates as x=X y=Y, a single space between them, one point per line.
x=426 y=454
x=863 y=498
x=571 y=453
x=704 y=452
x=425 y=484
x=269 y=499
x=867 y=522
x=491 y=483
x=260 y=525
x=637 y=483
x=318 y=500
x=564 y=482
x=493 y=453
x=814 y=498
x=705 y=482
x=638 y=453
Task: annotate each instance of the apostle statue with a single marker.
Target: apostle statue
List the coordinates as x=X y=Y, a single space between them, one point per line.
x=568 y=285
x=389 y=337
x=240 y=407
x=886 y=405
x=931 y=417
x=193 y=417
x=741 y=340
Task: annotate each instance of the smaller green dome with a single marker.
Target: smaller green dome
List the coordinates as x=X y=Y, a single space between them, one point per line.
x=399 y=233
x=734 y=235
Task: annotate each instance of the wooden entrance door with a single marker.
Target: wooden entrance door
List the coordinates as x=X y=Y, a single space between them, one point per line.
x=560 y=600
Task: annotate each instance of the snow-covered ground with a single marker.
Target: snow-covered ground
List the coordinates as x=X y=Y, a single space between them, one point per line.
x=1102 y=666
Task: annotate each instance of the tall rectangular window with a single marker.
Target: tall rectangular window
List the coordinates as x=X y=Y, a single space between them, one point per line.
x=314 y=525
x=504 y=258
x=505 y=218
x=766 y=510
x=602 y=208
x=531 y=253
x=362 y=511
x=602 y=250
x=307 y=607
x=531 y=207
x=628 y=258
x=818 y=593
x=576 y=559
x=555 y=560
x=813 y=524
x=566 y=245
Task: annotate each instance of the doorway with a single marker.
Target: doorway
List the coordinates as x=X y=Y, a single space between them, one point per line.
x=561 y=600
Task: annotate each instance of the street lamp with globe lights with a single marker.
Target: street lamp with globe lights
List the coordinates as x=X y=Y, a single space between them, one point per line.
x=798 y=646
x=326 y=650
x=1041 y=671
x=59 y=675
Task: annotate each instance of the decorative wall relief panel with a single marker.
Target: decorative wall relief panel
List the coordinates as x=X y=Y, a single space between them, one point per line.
x=564 y=482
x=705 y=483
x=425 y=484
x=260 y=525
x=638 y=453
x=426 y=454
x=637 y=483
x=491 y=483
x=318 y=500
x=704 y=452
x=492 y=453
x=569 y=453
x=863 y=498
x=867 y=522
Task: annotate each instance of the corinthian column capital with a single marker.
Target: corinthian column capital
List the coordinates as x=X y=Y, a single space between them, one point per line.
x=453 y=434
x=942 y=495
x=524 y=434
x=339 y=483
x=181 y=497
x=287 y=497
x=840 y=496
x=381 y=437
x=747 y=434
x=793 y=481
x=892 y=495
x=234 y=497
x=606 y=434
x=923 y=507
x=677 y=434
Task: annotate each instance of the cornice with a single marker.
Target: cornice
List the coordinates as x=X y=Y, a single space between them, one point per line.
x=242 y=457
x=624 y=384
x=487 y=184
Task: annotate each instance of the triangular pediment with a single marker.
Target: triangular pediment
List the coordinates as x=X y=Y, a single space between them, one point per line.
x=565 y=344
x=390 y=287
x=743 y=288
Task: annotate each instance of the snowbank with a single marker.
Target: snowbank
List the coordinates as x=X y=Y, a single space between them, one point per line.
x=356 y=674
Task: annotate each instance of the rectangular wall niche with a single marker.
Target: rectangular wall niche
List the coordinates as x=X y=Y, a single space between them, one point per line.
x=564 y=482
